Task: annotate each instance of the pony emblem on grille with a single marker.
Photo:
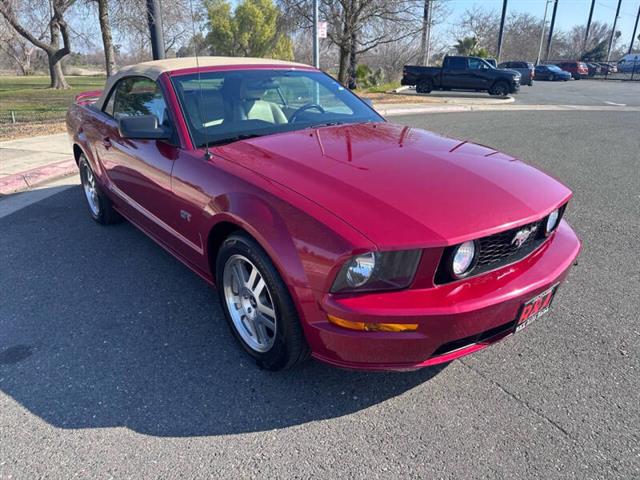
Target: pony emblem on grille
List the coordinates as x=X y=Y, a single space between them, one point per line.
x=522 y=235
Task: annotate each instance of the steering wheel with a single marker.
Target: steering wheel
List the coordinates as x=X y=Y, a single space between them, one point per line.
x=304 y=108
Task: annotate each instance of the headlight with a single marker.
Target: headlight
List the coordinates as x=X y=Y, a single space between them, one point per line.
x=360 y=269
x=463 y=258
x=377 y=271
x=552 y=221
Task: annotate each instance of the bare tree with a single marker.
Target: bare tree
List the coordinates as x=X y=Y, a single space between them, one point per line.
x=358 y=26
x=177 y=25
x=107 y=36
x=57 y=30
x=19 y=51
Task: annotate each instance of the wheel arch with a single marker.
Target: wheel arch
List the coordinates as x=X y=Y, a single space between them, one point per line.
x=77 y=152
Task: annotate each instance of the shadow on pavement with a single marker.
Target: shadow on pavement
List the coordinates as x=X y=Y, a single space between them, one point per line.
x=99 y=327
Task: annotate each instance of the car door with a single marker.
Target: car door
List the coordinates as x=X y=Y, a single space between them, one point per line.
x=478 y=74
x=454 y=72
x=139 y=171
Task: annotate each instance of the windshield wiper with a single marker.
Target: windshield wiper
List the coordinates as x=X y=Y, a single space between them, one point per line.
x=235 y=138
x=325 y=124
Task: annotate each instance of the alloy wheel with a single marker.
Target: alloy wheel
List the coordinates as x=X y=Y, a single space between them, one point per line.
x=90 y=189
x=250 y=303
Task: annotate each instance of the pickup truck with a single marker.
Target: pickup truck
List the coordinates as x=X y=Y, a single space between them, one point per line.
x=461 y=73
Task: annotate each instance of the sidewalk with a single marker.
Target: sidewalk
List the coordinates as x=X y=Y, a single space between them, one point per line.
x=28 y=162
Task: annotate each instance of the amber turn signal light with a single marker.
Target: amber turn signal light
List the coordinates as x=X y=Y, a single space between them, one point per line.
x=373 y=327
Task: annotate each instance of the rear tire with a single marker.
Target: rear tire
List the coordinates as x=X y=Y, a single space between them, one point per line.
x=425 y=86
x=100 y=207
x=258 y=306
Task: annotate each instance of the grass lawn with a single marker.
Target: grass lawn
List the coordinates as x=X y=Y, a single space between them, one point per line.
x=37 y=109
x=30 y=96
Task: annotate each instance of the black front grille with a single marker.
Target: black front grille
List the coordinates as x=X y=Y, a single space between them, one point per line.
x=502 y=248
x=498 y=250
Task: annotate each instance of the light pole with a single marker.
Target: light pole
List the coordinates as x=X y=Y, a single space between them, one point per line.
x=429 y=33
x=154 y=18
x=613 y=30
x=544 y=23
x=586 y=33
x=500 y=34
x=316 y=40
x=553 y=22
x=635 y=29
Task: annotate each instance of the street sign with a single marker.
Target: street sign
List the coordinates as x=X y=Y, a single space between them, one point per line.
x=322 y=29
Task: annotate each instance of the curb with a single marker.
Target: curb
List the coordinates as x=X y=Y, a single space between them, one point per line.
x=494 y=108
x=36 y=176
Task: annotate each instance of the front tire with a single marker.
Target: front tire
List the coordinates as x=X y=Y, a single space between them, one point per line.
x=499 y=89
x=100 y=207
x=258 y=306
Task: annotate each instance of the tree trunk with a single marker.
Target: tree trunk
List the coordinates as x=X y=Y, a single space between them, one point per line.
x=107 y=39
x=55 y=72
x=342 y=68
x=54 y=56
x=422 y=55
x=353 y=60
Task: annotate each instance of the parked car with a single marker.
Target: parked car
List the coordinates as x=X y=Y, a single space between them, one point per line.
x=594 y=69
x=552 y=73
x=629 y=63
x=269 y=179
x=525 y=69
x=608 y=68
x=492 y=61
x=461 y=73
x=577 y=70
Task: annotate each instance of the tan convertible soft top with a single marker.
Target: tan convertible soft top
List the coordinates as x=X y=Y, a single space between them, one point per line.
x=155 y=68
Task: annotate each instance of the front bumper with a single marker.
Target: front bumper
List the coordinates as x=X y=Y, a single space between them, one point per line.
x=454 y=319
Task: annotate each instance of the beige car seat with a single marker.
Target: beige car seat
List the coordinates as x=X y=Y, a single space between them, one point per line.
x=257 y=109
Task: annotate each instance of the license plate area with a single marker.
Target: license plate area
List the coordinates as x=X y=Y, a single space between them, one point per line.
x=535 y=308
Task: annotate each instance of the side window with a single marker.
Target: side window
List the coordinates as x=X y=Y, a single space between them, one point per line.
x=457 y=63
x=476 y=64
x=137 y=96
x=108 y=108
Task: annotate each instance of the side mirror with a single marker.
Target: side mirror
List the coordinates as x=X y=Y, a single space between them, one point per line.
x=143 y=127
x=368 y=101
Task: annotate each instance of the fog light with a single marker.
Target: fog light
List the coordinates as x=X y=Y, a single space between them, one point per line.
x=373 y=327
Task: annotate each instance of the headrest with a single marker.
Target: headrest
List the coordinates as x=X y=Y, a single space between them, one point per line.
x=255 y=89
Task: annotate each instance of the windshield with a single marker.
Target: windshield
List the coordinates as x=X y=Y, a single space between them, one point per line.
x=226 y=106
x=554 y=68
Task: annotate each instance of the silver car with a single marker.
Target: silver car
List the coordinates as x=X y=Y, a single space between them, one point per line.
x=526 y=70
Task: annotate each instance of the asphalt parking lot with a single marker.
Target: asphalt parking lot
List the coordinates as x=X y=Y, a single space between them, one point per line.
x=581 y=92
x=574 y=92
x=115 y=360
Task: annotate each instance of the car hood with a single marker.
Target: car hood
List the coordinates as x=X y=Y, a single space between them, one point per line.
x=402 y=186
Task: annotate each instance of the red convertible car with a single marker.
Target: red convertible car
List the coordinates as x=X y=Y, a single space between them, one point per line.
x=327 y=231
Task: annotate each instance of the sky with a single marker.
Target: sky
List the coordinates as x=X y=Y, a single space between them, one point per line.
x=570 y=12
